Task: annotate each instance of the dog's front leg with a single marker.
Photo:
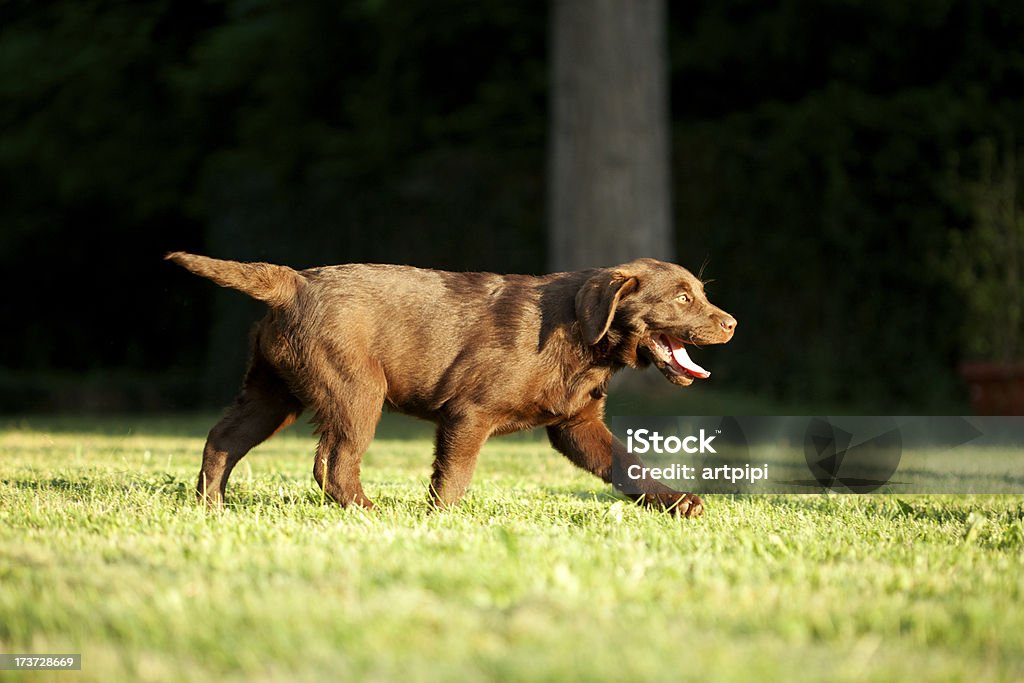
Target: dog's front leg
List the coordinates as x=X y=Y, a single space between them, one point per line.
x=589 y=444
x=459 y=439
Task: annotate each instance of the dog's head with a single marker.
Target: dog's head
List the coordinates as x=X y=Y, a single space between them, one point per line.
x=647 y=311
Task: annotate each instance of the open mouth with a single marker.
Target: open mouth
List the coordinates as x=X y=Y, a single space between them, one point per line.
x=672 y=355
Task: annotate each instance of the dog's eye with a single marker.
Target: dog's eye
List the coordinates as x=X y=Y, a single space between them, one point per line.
x=683 y=298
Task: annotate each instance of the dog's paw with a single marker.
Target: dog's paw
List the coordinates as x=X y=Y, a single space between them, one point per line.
x=694 y=505
x=676 y=504
x=686 y=505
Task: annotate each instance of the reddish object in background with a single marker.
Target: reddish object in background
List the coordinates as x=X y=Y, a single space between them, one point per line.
x=996 y=388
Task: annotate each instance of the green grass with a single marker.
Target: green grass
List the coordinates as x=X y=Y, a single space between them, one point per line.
x=542 y=574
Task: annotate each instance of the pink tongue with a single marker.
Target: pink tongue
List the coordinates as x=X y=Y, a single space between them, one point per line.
x=683 y=358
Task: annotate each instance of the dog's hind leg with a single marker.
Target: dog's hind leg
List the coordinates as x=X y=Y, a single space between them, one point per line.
x=264 y=407
x=348 y=419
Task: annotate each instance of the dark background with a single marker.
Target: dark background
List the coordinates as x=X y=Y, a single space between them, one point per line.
x=829 y=161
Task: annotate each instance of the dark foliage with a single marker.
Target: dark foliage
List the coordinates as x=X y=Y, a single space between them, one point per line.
x=815 y=145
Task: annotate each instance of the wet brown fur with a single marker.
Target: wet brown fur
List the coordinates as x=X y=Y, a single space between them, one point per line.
x=476 y=353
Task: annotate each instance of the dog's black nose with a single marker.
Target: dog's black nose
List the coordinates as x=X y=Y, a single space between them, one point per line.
x=728 y=323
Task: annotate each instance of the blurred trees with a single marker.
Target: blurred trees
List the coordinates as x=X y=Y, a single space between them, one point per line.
x=306 y=133
x=813 y=146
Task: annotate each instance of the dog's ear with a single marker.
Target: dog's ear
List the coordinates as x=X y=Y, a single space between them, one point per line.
x=597 y=300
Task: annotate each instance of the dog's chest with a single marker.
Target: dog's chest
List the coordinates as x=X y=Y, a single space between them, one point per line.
x=548 y=410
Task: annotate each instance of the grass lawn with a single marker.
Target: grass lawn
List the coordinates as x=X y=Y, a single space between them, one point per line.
x=542 y=574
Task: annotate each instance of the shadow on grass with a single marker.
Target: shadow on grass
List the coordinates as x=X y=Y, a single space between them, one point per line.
x=167 y=486
x=58 y=484
x=189 y=425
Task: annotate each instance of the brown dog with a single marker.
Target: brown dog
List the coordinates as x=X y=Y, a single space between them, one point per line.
x=476 y=353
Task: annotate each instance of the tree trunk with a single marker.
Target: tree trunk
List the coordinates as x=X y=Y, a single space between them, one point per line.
x=609 y=198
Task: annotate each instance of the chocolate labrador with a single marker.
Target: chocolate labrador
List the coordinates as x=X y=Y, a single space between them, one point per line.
x=476 y=353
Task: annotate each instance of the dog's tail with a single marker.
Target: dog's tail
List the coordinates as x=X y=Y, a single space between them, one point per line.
x=272 y=284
